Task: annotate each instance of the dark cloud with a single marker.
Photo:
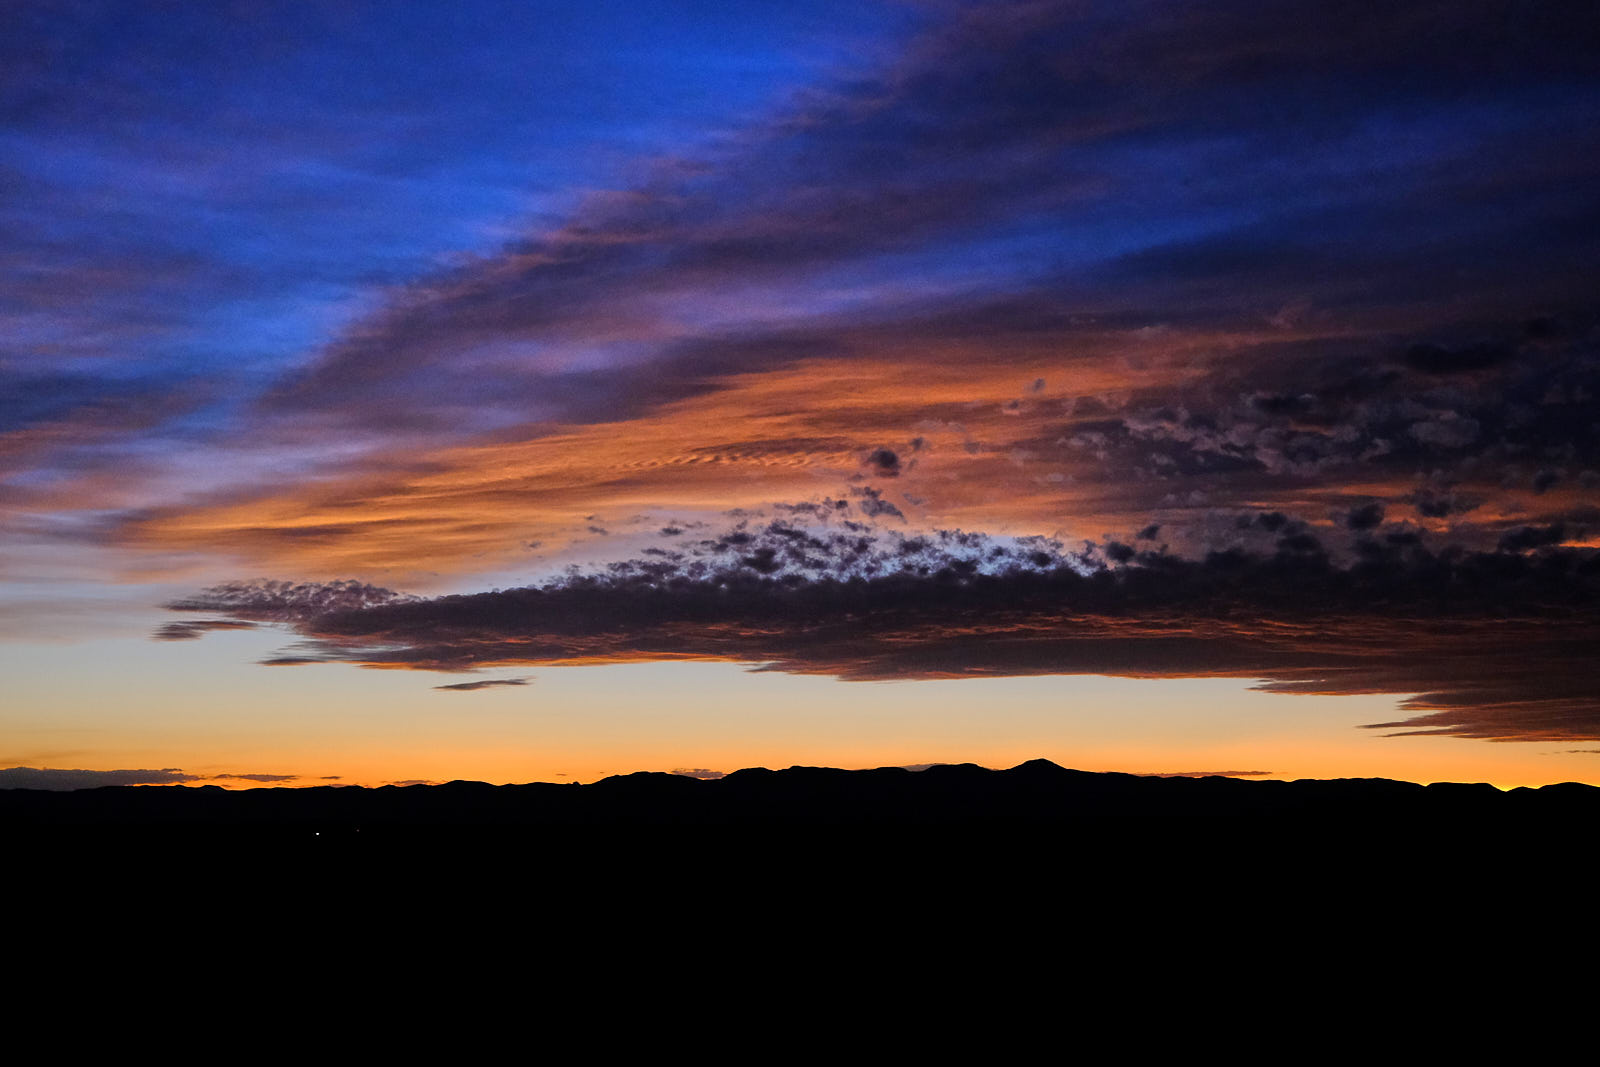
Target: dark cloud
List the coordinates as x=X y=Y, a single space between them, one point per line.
x=1365 y=517
x=1272 y=521
x=1117 y=552
x=1302 y=544
x=823 y=510
x=1272 y=423
x=1436 y=359
x=1437 y=504
x=1493 y=645
x=188 y=631
x=1527 y=537
x=473 y=687
x=883 y=462
x=699 y=772
x=872 y=504
x=61 y=778
x=278 y=601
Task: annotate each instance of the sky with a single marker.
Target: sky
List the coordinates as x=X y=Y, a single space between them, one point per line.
x=540 y=391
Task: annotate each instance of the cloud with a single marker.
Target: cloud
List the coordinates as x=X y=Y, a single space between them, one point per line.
x=1493 y=645
x=61 y=778
x=872 y=504
x=189 y=631
x=699 y=772
x=1118 y=202
x=472 y=687
x=883 y=462
x=1366 y=517
x=1527 y=537
x=278 y=601
x=1011 y=114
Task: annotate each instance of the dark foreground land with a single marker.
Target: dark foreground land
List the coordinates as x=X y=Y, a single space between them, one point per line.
x=810 y=860
x=1033 y=796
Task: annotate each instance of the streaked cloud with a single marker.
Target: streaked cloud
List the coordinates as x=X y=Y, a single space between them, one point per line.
x=1106 y=265
x=1493 y=645
x=473 y=687
x=61 y=778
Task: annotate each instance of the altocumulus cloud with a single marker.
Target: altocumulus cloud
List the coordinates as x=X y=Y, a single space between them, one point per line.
x=1355 y=226
x=1494 y=645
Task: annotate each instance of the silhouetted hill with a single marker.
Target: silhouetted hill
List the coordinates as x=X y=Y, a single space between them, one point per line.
x=1035 y=794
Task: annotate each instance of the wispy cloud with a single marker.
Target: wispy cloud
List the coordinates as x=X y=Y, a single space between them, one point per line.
x=61 y=778
x=473 y=687
x=1105 y=264
x=188 y=631
x=58 y=778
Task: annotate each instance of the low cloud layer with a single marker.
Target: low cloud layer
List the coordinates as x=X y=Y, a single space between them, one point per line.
x=1493 y=645
x=60 y=778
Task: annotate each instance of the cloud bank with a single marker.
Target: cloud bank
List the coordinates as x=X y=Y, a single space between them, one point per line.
x=1492 y=645
x=60 y=778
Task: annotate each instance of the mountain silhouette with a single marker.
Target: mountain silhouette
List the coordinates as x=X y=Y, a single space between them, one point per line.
x=1037 y=793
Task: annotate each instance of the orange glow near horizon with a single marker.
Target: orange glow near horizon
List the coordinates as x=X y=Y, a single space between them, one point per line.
x=584 y=723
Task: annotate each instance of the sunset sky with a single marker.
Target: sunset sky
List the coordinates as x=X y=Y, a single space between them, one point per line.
x=526 y=391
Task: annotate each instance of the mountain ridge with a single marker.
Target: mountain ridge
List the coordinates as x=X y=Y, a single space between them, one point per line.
x=1037 y=791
